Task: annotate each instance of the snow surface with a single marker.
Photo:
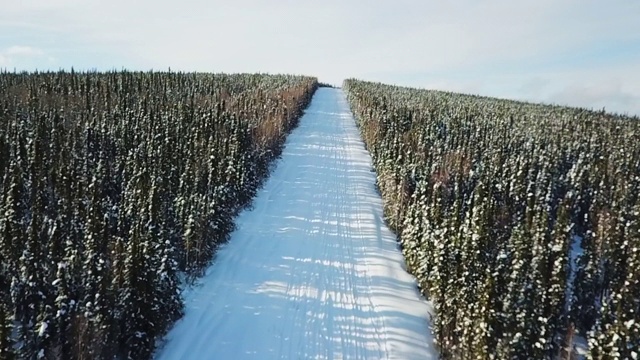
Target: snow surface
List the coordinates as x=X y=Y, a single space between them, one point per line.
x=580 y=344
x=312 y=271
x=575 y=252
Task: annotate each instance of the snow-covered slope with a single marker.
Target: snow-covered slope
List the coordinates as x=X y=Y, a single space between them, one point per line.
x=312 y=272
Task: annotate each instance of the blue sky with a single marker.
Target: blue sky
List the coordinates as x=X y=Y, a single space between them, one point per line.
x=582 y=53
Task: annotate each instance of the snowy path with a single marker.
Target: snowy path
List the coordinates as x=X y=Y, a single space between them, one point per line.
x=312 y=272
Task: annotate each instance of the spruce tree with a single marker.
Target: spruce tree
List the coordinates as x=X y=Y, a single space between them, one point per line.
x=6 y=327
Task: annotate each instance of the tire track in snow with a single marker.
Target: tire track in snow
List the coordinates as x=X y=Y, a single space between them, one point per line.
x=311 y=272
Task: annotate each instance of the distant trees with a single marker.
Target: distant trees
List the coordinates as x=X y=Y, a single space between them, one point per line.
x=520 y=221
x=116 y=185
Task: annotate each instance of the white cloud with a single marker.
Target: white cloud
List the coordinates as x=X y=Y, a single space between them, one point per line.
x=615 y=88
x=18 y=54
x=23 y=51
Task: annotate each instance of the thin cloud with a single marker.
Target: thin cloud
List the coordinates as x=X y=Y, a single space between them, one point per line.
x=23 y=51
x=19 y=54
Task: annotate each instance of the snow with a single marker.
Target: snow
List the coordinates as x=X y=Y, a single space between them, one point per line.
x=581 y=347
x=575 y=253
x=312 y=271
x=580 y=343
x=43 y=328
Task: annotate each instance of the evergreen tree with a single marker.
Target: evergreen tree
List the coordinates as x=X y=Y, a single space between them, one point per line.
x=555 y=306
x=95 y=268
x=6 y=327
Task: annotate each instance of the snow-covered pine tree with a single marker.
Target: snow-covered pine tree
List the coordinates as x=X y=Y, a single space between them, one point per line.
x=13 y=231
x=587 y=288
x=33 y=291
x=161 y=257
x=95 y=264
x=7 y=351
x=616 y=334
x=555 y=306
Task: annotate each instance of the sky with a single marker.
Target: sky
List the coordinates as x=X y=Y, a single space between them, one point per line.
x=571 y=52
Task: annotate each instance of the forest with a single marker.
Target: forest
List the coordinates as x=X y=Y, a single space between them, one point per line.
x=521 y=222
x=116 y=189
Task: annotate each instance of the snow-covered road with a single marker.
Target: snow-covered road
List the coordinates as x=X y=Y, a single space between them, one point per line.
x=311 y=272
